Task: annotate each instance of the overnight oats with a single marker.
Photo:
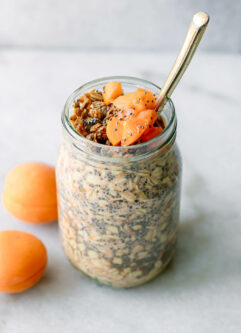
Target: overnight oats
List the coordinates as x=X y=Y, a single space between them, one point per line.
x=118 y=181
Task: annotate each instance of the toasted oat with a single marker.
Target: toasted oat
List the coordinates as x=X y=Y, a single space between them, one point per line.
x=95 y=127
x=96 y=113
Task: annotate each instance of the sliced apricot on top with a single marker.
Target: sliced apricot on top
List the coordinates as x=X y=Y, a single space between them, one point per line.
x=147 y=97
x=153 y=119
x=151 y=134
x=114 y=131
x=114 y=127
x=140 y=100
x=134 y=128
x=126 y=114
x=112 y=90
x=130 y=101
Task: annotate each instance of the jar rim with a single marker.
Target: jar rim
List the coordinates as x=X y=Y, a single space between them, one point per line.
x=163 y=138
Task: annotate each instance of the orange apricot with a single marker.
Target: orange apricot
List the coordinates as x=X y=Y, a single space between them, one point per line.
x=112 y=90
x=23 y=259
x=130 y=100
x=30 y=193
x=114 y=127
x=151 y=134
x=147 y=97
x=114 y=131
x=134 y=128
x=139 y=100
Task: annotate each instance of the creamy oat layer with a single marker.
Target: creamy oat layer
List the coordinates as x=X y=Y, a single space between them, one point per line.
x=118 y=222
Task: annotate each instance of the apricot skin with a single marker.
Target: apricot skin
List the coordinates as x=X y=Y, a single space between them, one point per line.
x=23 y=259
x=30 y=193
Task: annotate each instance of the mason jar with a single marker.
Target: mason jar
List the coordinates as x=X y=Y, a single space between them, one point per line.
x=119 y=206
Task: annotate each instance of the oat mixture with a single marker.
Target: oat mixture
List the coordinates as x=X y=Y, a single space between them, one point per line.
x=118 y=221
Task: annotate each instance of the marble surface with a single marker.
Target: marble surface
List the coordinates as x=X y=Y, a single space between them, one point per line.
x=200 y=291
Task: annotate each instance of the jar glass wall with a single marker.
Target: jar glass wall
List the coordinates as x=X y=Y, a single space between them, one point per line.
x=119 y=206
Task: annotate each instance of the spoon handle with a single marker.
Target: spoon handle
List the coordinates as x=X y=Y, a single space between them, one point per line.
x=193 y=37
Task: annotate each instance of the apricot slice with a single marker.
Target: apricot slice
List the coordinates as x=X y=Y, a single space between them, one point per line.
x=147 y=97
x=23 y=259
x=112 y=90
x=130 y=101
x=140 y=100
x=151 y=134
x=134 y=128
x=114 y=131
x=30 y=193
x=114 y=127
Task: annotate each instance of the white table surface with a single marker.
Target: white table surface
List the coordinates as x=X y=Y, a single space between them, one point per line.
x=201 y=290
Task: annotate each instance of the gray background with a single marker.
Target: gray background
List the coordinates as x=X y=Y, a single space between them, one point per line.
x=145 y=25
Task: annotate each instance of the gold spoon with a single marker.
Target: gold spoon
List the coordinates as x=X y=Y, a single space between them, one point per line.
x=193 y=37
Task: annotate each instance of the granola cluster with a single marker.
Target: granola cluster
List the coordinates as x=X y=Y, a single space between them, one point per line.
x=90 y=116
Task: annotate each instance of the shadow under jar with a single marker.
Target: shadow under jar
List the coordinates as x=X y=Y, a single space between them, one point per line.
x=119 y=206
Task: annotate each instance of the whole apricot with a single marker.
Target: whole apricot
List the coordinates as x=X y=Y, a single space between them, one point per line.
x=23 y=259
x=30 y=193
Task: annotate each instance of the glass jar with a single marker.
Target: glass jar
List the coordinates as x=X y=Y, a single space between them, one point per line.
x=119 y=206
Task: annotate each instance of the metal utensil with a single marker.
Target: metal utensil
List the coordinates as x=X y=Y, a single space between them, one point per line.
x=193 y=38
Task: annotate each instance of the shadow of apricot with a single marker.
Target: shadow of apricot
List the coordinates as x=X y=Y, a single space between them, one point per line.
x=62 y=277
